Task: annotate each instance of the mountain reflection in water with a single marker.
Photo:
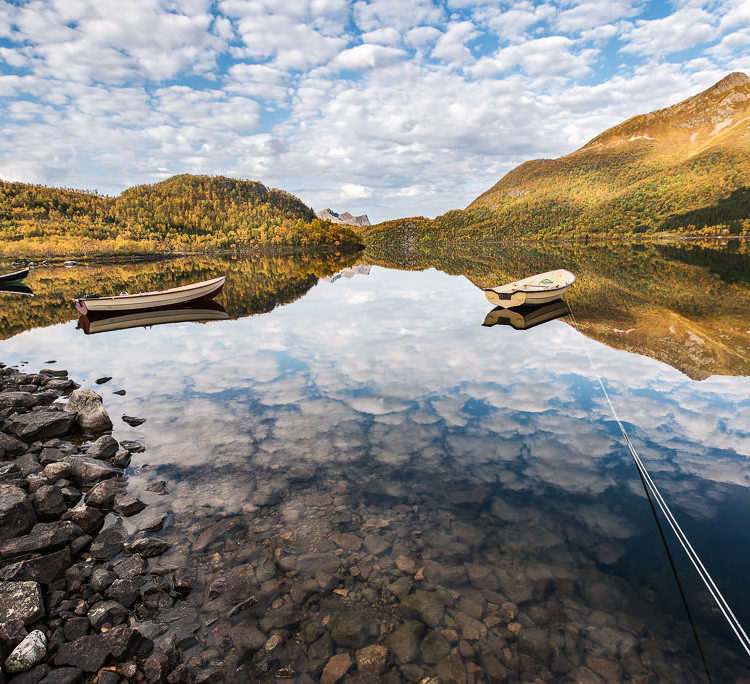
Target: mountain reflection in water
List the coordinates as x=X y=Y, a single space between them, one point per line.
x=377 y=468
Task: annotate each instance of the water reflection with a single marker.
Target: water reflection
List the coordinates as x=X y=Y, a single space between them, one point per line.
x=15 y=289
x=527 y=316
x=198 y=312
x=378 y=475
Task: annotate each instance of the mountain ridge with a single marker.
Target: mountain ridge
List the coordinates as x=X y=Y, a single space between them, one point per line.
x=344 y=218
x=633 y=178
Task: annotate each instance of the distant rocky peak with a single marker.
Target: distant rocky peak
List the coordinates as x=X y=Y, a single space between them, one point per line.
x=345 y=217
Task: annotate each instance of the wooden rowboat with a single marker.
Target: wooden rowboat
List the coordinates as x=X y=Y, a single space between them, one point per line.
x=536 y=289
x=527 y=316
x=15 y=276
x=198 y=312
x=207 y=289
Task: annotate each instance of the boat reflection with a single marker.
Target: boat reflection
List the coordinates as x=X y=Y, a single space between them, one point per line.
x=198 y=312
x=527 y=316
x=16 y=288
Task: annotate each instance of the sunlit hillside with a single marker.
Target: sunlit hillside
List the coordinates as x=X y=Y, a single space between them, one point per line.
x=651 y=173
x=195 y=213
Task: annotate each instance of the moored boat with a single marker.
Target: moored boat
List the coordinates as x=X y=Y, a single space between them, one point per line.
x=536 y=289
x=207 y=289
x=14 y=277
x=527 y=316
x=198 y=312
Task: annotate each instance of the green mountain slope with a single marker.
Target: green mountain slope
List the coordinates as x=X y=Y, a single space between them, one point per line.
x=182 y=212
x=634 y=178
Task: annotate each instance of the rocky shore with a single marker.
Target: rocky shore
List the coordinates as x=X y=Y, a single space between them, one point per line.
x=73 y=581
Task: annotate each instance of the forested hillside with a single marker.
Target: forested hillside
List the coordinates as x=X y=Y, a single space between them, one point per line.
x=683 y=169
x=196 y=213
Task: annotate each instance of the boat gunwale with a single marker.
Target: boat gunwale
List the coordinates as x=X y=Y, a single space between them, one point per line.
x=141 y=295
x=547 y=289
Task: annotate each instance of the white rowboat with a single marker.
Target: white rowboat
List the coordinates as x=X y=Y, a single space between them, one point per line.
x=525 y=317
x=536 y=289
x=207 y=289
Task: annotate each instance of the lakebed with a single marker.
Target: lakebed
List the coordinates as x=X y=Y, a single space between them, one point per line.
x=406 y=493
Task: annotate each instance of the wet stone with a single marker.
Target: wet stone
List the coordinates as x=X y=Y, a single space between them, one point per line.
x=91 y=652
x=133 y=421
x=87 y=471
x=148 y=547
x=109 y=543
x=102 y=495
x=102 y=380
x=348 y=541
x=76 y=627
x=129 y=568
x=133 y=446
x=127 y=505
x=125 y=591
x=375 y=544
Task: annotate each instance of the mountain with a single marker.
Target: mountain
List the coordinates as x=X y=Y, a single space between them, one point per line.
x=649 y=174
x=185 y=212
x=346 y=218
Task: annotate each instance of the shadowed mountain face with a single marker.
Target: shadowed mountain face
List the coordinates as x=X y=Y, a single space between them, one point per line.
x=687 y=305
x=632 y=178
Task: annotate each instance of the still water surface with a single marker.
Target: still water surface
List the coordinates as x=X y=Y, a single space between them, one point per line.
x=377 y=467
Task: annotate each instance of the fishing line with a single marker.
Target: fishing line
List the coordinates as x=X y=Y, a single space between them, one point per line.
x=700 y=568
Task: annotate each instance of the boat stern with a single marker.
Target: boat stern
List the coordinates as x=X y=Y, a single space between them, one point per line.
x=80 y=306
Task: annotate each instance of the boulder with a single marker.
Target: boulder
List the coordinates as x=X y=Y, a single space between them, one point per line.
x=86 y=471
x=127 y=505
x=41 y=425
x=91 y=414
x=28 y=653
x=16 y=512
x=24 y=400
x=90 y=652
x=103 y=448
x=102 y=495
x=87 y=518
x=20 y=600
x=336 y=668
x=109 y=543
x=107 y=612
x=11 y=447
x=48 y=502
x=43 y=569
x=351 y=628
x=43 y=538
x=148 y=547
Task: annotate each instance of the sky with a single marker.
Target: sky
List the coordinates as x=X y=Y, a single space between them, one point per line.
x=384 y=107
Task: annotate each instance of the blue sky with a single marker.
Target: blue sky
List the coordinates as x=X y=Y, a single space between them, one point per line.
x=383 y=107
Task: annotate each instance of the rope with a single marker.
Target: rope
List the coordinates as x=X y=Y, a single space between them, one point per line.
x=700 y=568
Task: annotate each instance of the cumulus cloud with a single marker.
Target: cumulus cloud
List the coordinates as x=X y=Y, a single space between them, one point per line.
x=397 y=108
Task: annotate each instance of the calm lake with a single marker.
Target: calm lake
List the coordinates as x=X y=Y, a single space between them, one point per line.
x=347 y=442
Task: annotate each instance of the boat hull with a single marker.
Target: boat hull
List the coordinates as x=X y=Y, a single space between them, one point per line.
x=530 y=291
x=205 y=290
x=14 y=277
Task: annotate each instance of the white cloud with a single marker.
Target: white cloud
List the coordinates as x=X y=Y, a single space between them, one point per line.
x=451 y=45
x=367 y=56
x=674 y=33
x=551 y=55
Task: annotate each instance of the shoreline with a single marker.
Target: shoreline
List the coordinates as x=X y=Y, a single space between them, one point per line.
x=73 y=581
